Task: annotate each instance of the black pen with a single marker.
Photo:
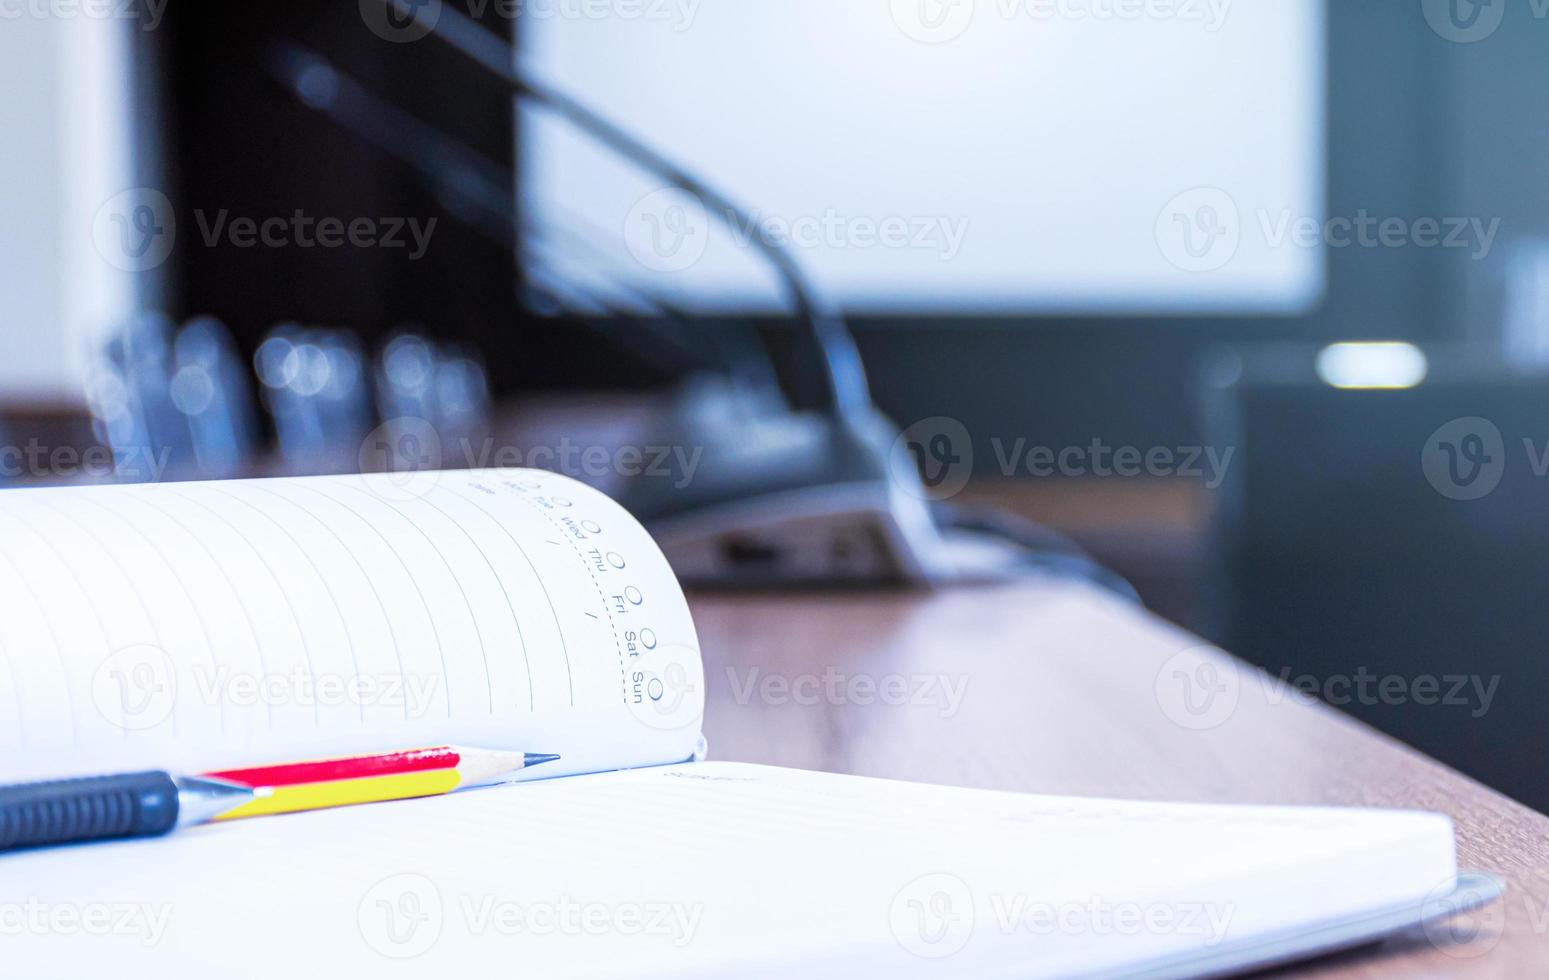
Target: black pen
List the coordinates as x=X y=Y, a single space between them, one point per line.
x=141 y=804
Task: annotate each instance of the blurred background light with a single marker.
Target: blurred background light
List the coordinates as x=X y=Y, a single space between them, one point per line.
x=1374 y=366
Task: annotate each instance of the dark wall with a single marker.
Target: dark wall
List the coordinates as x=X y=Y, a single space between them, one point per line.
x=237 y=142
x=1348 y=552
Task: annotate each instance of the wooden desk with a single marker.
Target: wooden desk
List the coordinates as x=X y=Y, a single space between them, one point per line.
x=1057 y=689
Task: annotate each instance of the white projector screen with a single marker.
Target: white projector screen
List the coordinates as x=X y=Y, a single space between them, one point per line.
x=66 y=158
x=939 y=156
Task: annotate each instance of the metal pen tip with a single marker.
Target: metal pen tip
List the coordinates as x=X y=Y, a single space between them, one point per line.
x=535 y=759
x=201 y=799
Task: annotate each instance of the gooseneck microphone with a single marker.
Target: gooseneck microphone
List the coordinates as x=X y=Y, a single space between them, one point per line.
x=844 y=375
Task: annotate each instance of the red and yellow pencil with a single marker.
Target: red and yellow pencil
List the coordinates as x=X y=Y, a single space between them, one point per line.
x=324 y=783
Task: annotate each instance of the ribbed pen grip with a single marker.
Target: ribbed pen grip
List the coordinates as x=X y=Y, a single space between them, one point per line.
x=96 y=808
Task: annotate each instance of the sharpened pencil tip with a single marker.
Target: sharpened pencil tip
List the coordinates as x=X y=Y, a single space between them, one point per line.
x=534 y=759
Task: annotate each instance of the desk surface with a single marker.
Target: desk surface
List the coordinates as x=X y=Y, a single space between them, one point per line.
x=1056 y=689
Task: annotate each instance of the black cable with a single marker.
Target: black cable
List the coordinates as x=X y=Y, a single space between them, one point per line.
x=482 y=187
x=1046 y=550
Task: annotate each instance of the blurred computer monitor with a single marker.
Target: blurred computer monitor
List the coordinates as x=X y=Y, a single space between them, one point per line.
x=961 y=156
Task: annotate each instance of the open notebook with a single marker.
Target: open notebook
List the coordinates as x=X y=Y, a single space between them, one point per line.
x=205 y=626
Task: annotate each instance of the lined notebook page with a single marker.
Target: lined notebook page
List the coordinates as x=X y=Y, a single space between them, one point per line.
x=721 y=870
x=204 y=625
